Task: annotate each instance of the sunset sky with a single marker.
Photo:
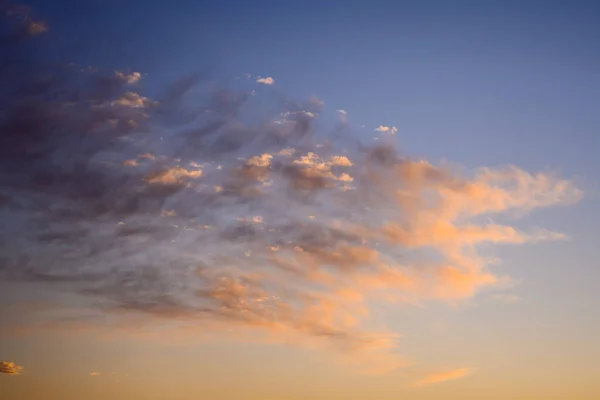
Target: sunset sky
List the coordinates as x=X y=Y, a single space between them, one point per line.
x=299 y=200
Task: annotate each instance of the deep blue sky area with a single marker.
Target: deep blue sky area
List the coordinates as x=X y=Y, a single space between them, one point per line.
x=474 y=77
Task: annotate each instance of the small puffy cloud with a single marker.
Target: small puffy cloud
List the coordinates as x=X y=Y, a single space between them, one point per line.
x=260 y=161
x=10 y=368
x=444 y=376
x=257 y=219
x=387 y=129
x=265 y=81
x=132 y=78
x=174 y=176
x=309 y=114
x=147 y=156
x=133 y=100
x=342 y=112
x=130 y=163
x=288 y=151
x=345 y=178
x=341 y=161
x=94 y=374
x=168 y=213
x=35 y=28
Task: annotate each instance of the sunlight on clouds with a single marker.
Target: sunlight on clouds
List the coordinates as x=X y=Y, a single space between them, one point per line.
x=156 y=245
x=174 y=176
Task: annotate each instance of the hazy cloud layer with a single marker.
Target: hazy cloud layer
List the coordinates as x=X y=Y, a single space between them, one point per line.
x=193 y=213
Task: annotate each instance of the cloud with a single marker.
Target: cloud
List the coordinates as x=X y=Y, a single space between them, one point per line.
x=444 y=376
x=265 y=81
x=94 y=374
x=35 y=28
x=343 y=116
x=174 y=176
x=133 y=100
x=220 y=215
x=147 y=156
x=10 y=368
x=132 y=78
x=317 y=103
x=386 y=129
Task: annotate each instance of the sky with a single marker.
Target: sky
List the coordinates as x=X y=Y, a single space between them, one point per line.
x=299 y=200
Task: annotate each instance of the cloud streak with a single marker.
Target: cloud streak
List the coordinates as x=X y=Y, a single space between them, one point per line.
x=444 y=376
x=194 y=214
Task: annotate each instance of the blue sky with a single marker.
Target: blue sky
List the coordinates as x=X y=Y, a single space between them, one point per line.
x=473 y=77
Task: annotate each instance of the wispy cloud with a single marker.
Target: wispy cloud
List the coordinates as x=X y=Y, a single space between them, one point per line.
x=10 y=368
x=92 y=374
x=444 y=376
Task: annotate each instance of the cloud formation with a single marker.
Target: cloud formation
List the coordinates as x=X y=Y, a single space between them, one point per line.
x=195 y=214
x=445 y=376
x=10 y=368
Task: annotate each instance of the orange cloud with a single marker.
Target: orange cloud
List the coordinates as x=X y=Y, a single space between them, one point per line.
x=10 y=368
x=444 y=376
x=133 y=100
x=174 y=176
